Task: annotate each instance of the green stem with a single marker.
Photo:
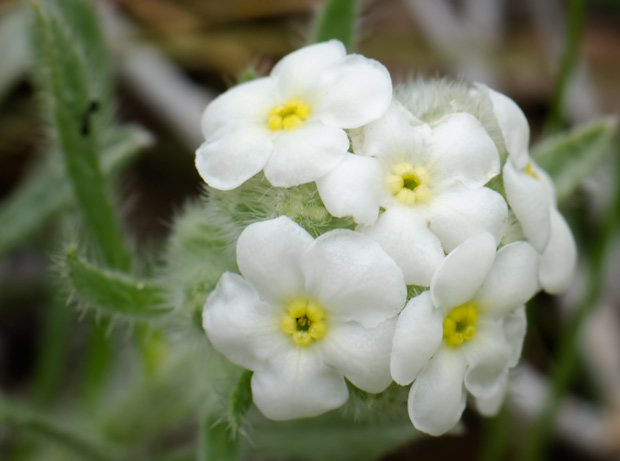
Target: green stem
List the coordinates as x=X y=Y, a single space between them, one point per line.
x=567 y=65
x=216 y=441
x=98 y=360
x=52 y=352
x=564 y=369
x=496 y=436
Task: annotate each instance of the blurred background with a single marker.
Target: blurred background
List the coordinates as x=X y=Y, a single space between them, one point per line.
x=171 y=57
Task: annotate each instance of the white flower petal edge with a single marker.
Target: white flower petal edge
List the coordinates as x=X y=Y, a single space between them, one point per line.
x=514 y=126
x=559 y=260
x=463 y=151
x=298 y=383
x=418 y=334
x=292 y=122
x=350 y=189
x=513 y=280
x=308 y=314
x=463 y=271
x=273 y=266
x=437 y=397
x=530 y=202
x=407 y=239
x=239 y=323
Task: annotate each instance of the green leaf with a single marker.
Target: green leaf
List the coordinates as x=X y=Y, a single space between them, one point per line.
x=32 y=204
x=79 y=440
x=114 y=293
x=73 y=108
x=569 y=158
x=329 y=437
x=337 y=19
x=241 y=400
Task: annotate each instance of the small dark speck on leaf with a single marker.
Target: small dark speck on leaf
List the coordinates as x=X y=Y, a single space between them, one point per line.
x=93 y=107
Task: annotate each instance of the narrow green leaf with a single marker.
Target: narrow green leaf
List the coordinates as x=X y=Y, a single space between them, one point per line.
x=114 y=293
x=241 y=400
x=80 y=18
x=73 y=107
x=570 y=157
x=81 y=441
x=216 y=442
x=337 y=19
x=33 y=204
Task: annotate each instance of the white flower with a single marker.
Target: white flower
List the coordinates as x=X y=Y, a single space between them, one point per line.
x=305 y=315
x=465 y=333
x=531 y=195
x=429 y=179
x=291 y=124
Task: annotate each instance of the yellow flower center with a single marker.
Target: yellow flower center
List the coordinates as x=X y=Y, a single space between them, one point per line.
x=409 y=184
x=304 y=321
x=460 y=324
x=289 y=115
x=529 y=170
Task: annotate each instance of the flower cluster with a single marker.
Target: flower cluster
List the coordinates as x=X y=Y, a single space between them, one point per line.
x=454 y=228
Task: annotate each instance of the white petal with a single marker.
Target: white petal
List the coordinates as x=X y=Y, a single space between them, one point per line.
x=353 y=188
x=530 y=202
x=462 y=151
x=298 y=72
x=233 y=157
x=298 y=384
x=239 y=324
x=558 y=261
x=396 y=137
x=305 y=154
x=418 y=335
x=403 y=234
x=354 y=278
x=488 y=356
x=514 y=127
x=353 y=92
x=461 y=274
x=269 y=257
x=515 y=326
x=490 y=406
x=512 y=280
x=362 y=354
x=437 y=397
x=246 y=104
x=458 y=213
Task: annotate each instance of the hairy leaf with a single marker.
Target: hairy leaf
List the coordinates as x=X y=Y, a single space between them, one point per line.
x=113 y=293
x=73 y=107
x=572 y=156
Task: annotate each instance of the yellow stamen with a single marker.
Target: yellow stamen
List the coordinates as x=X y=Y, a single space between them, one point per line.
x=409 y=184
x=529 y=170
x=288 y=116
x=304 y=321
x=460 y=324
